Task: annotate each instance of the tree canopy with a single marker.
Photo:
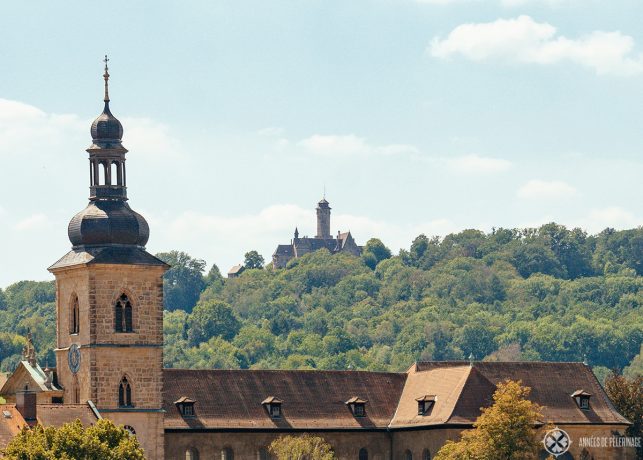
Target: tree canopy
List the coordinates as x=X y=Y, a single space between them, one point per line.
x=102 y=440
x=548 y=293
x=304 y=447
x=506 y=430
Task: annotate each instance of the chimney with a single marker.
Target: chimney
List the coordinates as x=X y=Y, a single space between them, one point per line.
x=26 y=405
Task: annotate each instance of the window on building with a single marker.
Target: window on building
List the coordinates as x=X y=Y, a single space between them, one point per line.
x=227 y=454
x=273 y=406
x=185 y=406
x=191 y=454
x=426 y=455
x=425 y=404
x=74 y=316
x=582 y=399
x=123 y=314
x=408 y=455
x=363 y=454
x=357 y=406
x=263 y=454
x=125 y=393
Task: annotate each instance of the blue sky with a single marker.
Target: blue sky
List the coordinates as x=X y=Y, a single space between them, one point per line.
x=418 y=116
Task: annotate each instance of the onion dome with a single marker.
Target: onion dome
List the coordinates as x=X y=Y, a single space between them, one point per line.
x=105 y=222
x=106 y=130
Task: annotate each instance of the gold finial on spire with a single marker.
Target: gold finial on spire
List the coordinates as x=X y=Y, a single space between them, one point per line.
x=106 y=77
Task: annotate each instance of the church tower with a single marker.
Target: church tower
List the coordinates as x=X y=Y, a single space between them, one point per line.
x=323 y=219
x=109 y=299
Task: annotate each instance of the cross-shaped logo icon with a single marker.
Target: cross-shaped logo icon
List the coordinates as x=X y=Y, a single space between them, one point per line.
x=557 y=442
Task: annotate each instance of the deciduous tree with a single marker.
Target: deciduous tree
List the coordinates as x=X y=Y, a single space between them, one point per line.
x=305 y=447
x=504 y=431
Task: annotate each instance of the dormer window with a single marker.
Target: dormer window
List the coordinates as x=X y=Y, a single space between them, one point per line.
x=185 y=406
x=273 y=406
x=357 y=406
x=425 y=404
x=582 y=399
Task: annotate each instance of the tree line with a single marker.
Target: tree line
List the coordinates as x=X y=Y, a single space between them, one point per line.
x=547 y=293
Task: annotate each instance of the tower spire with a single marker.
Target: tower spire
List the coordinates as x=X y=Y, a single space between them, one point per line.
x=106 y=77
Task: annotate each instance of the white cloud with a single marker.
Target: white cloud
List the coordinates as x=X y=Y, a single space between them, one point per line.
x=335 y=145
x=524 y=40
x=37 y=221
x=224 y=239
x=270 y=131
x=28 y=131
x=613 y=217
x=546 y=190
x=475 y=164
x=149 y=137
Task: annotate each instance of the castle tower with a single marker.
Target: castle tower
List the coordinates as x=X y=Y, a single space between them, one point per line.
x=323 y=219
x=109 y=299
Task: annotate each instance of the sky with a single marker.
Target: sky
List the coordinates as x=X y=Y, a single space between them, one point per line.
x=415 y=116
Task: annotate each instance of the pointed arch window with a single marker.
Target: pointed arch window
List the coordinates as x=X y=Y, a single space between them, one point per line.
x=123 y=314
x=125 y=393
x=74 y=316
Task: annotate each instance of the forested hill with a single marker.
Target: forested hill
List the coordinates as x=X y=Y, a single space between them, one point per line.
x=537 y=294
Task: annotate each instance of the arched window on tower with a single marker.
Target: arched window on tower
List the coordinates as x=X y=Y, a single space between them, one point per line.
x=408 y=455
x=227 y=454
x=115 y=173
x=363 y=454
x=74 y=316
x=191 y=454
x=125 y=393
x=123 y=314
x=426 y=454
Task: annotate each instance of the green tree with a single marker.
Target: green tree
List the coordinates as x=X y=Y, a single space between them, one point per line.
x=304 y=447
x=211 y=319
x=635 y=369
x=375 y=252
x=504 y=431
x=627 y=396
x=102 y=440
x=253 y=259
x=183 y=282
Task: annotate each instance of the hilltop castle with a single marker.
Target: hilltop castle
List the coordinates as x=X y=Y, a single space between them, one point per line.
x=344 y=242
x=109 y=362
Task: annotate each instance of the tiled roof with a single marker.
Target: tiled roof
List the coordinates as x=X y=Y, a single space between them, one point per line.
x=9 y=425
x=311 y=399
x=128 y=255
x=58 y=414
x=47 y=415
x=551 y=383
x=236 y=269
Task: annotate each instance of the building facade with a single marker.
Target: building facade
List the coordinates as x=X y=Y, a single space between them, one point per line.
x=298 y=247
x=109 y=361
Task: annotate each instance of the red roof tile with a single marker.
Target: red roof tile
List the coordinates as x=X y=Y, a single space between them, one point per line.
x=311 y=399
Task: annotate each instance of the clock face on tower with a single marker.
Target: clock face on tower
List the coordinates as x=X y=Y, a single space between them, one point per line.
x=73 y=358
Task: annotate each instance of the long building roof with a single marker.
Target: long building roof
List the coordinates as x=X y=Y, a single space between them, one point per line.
x=232 y=399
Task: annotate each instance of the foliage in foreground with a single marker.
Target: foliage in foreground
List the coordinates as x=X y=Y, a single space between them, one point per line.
x=627 y=396
x=504 y=431
x=104 y=441
x=304 y=447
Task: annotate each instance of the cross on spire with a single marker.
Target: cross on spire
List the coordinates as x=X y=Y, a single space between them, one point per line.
x=106 y=77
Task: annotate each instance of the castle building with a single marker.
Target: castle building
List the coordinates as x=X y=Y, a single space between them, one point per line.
x=109 y=363
x=344 y=242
